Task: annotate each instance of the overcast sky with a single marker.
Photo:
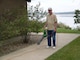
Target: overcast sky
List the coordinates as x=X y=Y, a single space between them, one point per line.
x=58 y=5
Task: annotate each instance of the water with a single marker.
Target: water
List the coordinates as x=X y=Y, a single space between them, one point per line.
x=67 y=19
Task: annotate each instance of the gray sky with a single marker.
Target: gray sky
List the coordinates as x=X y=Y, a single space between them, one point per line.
x=58 y=5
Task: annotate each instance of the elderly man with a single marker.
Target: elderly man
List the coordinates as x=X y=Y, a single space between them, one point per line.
x=51 y=24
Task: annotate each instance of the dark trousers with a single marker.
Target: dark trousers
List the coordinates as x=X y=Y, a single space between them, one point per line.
x=52 y=34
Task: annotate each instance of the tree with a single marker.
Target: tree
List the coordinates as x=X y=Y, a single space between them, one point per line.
x=13 y=19
x=77 y=16
x=35 y=13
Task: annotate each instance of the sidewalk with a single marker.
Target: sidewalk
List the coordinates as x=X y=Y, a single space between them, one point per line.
x=40 y=52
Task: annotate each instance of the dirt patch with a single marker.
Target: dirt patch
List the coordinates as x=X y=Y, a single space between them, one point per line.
x=17 y=44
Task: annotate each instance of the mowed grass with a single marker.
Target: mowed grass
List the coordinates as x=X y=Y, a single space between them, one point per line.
x=69 y=52
x=62 y=30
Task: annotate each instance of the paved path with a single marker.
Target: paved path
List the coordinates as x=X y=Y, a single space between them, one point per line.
x=40 y=52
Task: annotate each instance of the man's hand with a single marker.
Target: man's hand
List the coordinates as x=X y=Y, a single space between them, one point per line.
x=55 y=29
x=55 y=26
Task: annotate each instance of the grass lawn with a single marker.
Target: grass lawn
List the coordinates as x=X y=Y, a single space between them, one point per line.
x=69 y=52
x=62 y=30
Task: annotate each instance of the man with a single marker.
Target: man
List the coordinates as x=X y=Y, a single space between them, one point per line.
x=51 y=24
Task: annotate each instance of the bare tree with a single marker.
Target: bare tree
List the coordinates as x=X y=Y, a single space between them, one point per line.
x=36 y=13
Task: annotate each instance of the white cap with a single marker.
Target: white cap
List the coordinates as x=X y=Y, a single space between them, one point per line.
x=49 y=8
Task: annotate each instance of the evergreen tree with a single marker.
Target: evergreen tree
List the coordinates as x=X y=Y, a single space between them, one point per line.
x=77 y=16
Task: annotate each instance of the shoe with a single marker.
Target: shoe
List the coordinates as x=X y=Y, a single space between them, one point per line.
x=54 y=47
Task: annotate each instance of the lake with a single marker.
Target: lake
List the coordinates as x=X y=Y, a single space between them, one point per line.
x=67 y=19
